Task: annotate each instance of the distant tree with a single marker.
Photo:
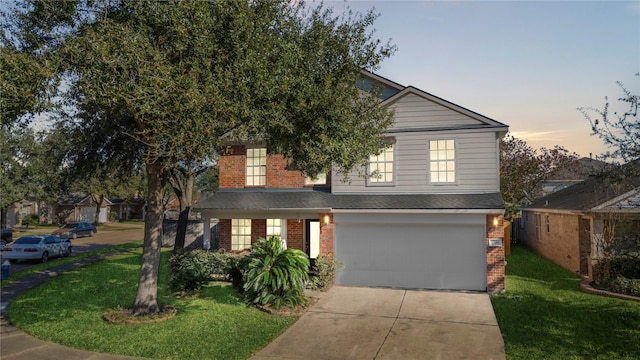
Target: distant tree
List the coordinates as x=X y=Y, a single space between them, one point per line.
x=620 y=130
x=523 y=170
x=158 y=84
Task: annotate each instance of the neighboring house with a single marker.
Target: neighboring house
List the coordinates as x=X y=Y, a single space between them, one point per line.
x=126 y=209
x=80 y=207
x=581 y=170
x=570 y=225
x=432 y=218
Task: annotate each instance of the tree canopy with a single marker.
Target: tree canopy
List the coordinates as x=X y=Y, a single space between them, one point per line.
x=620 y=130
x=524 y=169
x=156 y=84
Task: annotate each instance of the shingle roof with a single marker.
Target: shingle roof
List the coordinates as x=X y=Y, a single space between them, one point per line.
x=273 y=199
x=587 y=194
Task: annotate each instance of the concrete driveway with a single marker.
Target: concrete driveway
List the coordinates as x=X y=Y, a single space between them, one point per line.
x=377 y=323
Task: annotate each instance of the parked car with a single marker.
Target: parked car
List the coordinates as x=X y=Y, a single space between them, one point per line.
x=6 y=236
x=37 y=247
x=75 y=229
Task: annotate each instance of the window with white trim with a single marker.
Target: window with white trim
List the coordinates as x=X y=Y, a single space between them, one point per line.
x=274 y=227
x=240 y=234
x=256 y=167
x=381 y=167
x=442 y=161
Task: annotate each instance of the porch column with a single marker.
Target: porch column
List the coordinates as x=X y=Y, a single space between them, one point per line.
x=206 y=233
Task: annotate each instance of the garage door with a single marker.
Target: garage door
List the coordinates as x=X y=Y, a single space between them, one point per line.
x=434 y=251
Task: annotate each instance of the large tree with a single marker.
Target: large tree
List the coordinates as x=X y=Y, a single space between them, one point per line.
x=523 y=170
x=619 y=128
x=163 y=83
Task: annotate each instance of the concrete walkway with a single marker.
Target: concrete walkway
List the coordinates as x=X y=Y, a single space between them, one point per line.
x=375 y=323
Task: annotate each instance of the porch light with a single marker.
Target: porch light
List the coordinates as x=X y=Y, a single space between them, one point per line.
x=326 y=219
x=495 y=221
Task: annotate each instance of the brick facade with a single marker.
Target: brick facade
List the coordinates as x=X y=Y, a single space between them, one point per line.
x=559 y=242
x=233 y=162
x=295 y=234
x=495 y=255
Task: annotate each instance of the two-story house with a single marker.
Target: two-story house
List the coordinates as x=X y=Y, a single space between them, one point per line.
x=430 y=215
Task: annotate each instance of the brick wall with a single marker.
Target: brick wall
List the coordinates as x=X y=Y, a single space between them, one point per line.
x=560 y=244
x=232 y=165
x=258 y=230
x=224 y=234
x=295 y=234
x=495 y=255
x=233 y=161
x=279 y=177
x=326 y=235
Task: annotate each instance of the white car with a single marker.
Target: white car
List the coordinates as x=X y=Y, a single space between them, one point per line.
x=36 y=247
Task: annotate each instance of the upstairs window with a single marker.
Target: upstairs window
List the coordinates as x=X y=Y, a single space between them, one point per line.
x=240 y=234
x=442 y=161
x=256 y=167
x=381 y=167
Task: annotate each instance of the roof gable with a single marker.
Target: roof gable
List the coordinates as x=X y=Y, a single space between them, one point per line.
x=467 y=118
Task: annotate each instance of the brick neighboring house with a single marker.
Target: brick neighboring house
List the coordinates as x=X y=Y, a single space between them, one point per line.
x=432 y=219
x=569 y=226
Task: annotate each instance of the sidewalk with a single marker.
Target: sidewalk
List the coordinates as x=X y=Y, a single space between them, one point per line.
x=17 y=345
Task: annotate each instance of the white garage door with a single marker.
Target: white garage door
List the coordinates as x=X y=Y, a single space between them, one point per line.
x=430 y=251
x=88 y=214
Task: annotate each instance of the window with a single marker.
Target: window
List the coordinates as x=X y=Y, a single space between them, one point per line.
x=537 y=224
x=256 y=167
x=547 y=223
x=321 y=179
x=240 y=234
x=381 y=167
x=274 y=227
x=442 y=161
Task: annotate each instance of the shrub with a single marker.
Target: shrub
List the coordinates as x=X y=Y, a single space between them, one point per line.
x=30 y=220
x=325 y=268
x=275 y=275
x=191 y=269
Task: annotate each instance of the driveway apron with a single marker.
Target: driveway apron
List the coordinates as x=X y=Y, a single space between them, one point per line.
x=378 y=323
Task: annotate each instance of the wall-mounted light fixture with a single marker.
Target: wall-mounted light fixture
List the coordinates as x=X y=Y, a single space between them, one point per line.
x=495 y=221
x=326 y=219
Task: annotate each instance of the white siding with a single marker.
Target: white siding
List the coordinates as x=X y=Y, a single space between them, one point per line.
x=476 y=165
x=412 y=111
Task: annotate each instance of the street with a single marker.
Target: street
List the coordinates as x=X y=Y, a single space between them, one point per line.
x=107 y=235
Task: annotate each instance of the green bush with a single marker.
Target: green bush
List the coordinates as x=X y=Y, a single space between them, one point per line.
x=274 y=275
x=325 y=269
x=623 y=285
x=189 y=270
x=30 y=220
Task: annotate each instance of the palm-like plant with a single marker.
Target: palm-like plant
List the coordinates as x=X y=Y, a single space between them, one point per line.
x=275 y=275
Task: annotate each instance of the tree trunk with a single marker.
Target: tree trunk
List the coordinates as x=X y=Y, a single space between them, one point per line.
x=181 y=231
x=98 y=202
x=147 y=297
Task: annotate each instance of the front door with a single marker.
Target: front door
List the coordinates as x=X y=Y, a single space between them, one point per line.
x=312 y=239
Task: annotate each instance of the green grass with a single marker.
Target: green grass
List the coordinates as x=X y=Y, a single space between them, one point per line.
x=544 y=315
x=68 y=310
x=13 y=276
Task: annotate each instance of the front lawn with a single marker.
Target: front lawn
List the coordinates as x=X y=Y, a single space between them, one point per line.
x=544 y=315
x=215 y=325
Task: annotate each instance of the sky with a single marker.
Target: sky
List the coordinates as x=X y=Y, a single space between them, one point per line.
x=527 y=64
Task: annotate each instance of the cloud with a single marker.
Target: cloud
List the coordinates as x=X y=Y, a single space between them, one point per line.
x=538 y=135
